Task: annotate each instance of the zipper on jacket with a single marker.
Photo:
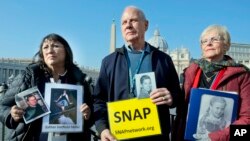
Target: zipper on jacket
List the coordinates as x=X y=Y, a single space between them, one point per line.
x=26 y=133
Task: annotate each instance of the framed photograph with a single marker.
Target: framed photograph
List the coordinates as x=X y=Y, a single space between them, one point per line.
x=209 y=111
x=64 y=101
x=145 y=83
x=33 y=103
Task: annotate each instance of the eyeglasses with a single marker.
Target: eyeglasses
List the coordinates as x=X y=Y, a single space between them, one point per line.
x=211 y=40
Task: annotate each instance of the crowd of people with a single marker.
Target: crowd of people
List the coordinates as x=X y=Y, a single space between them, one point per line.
x=53 y=63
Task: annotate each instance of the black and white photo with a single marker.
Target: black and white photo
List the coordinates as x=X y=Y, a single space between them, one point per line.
x=209 y=111
x=145 y=83
x=213 y=114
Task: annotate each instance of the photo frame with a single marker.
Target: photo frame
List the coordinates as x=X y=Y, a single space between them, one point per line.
x=64 y=101
x=209 y=111
x=145 y=83
x=33 y=104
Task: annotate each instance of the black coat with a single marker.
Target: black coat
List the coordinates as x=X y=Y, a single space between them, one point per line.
x=112 y=85
x=35 y=76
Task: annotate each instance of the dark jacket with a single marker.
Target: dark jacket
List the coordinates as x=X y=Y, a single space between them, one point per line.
x=235 y=79
x=113 y=85
x=35 y=76
x=32 y=112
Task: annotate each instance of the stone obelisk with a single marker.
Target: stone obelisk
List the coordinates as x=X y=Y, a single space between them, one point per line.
x=113 y=38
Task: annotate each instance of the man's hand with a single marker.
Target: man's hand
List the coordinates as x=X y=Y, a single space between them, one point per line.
x=161 y=96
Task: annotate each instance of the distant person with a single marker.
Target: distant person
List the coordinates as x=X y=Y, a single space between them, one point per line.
x=146 y=86
x=63 y=101
x=3 y=88
x=215 y=71
x=214 y=119
x=117 y=76
x=34 y=109
x=53 y=64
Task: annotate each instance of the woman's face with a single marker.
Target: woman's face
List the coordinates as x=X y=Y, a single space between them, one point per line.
x=54 y=53
x=217 y=109
x=213 y=47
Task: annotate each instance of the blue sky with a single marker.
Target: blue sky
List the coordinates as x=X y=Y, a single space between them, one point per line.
x=86 y=24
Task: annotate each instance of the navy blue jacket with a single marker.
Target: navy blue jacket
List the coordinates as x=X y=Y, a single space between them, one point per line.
x=113 y=85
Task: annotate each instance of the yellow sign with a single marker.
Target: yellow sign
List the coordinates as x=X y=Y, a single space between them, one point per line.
x=133 y=118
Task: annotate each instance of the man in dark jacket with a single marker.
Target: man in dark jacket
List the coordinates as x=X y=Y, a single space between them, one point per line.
x=116 y=79
x=34 y=109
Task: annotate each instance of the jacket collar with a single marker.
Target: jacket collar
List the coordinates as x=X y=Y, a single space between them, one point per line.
x=193 y=68
x=123 y=48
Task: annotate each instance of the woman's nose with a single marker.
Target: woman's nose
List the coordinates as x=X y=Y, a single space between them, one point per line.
x=50 y=49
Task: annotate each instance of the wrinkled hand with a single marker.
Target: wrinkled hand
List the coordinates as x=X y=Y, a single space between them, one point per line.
x=107 y=136
x=201 y=137
x=161 y=96
x=85 y=111
x=16 y=113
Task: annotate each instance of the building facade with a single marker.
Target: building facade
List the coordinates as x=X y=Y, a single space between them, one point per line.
x=240 y=53
x=180 y=56
x=11 y=67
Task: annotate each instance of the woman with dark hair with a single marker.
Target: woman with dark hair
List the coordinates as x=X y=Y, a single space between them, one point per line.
x=52 y=63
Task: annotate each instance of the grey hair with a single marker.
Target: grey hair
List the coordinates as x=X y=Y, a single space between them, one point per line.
x=222 y=32
x=141 y=13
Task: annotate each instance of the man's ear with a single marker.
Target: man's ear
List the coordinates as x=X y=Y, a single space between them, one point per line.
x=146 y=25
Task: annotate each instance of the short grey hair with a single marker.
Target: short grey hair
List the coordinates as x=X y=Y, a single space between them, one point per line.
x=222 y=32
x=141 y=13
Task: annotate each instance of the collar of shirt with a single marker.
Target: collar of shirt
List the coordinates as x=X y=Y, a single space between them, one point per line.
x=61 y=79
x=130 y=49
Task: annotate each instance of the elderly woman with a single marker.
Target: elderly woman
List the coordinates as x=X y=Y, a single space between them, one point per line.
x=54 y=63
x=216 y=71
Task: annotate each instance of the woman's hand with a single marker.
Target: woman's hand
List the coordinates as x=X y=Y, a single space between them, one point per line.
x=85 y=111
x=201 y=137
x=107 y=136
x=16 y=113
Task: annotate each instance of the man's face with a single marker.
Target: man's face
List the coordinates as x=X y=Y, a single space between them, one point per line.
x=147 y=85
x=32 y=101
x=133 y=26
